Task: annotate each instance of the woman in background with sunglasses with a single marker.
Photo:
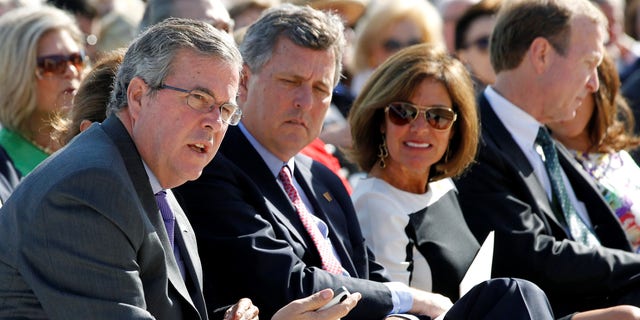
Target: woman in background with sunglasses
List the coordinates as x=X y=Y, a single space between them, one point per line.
x=472 y=36
x=42 y=62
x=388 y=27
x=413 y=127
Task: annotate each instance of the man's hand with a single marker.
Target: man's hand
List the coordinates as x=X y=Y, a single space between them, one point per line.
x=306 y=308
x=429 y=304
x=243 y=310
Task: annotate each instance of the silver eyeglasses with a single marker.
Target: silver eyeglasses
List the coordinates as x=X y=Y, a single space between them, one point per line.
x=203 y=102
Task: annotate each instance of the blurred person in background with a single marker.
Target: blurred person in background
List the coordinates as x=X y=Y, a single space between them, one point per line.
x=623 y=49
x=245 y=12
x=389 y=27
x=117 y=24
x=6 y=5
x=90 y=103
x=211 y=11
x=43 y=61
x=472 y=35
x=87 y=18
x=632 y=19
x=451 y=11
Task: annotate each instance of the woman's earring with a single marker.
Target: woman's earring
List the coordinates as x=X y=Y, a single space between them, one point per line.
x=383 y=152
x=446 y=155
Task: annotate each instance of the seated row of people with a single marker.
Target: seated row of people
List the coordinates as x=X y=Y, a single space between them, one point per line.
x=271 y=224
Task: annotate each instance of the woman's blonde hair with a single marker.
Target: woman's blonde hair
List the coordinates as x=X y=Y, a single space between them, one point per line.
x=20 y=31
x=383 y=15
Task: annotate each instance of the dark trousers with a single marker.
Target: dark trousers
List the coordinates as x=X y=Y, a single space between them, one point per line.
x=502 y=298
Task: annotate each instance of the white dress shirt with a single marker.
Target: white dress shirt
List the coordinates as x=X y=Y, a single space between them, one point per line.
x=524 y=129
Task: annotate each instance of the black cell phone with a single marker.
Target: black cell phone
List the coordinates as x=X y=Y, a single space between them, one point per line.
x=338 y=296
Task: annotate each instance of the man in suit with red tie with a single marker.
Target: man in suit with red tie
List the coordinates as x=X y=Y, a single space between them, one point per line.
x=275 y=225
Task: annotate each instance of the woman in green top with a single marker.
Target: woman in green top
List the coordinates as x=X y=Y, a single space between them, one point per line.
x=43 y=60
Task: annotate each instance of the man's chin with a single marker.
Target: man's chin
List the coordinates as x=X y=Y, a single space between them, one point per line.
x=569 y=116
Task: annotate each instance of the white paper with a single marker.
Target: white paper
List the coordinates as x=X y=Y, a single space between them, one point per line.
x=480 y=268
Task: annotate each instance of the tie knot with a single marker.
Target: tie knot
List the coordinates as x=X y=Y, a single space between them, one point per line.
x=161 y=195
x=163 y=205
x=285 y=174
x=543 y=138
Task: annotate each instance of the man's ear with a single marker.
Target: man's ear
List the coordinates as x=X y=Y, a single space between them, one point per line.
x=135 y=92
x=540 y=54
x=243 y=89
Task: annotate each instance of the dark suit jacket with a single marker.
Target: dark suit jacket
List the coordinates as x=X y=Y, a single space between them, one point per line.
x=501 y=192
x=82 y=238
x=253 y=244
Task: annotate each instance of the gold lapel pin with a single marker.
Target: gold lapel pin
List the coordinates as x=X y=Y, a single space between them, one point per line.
x=327 y=196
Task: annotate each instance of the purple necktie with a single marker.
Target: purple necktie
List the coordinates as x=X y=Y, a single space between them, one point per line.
x=167 y=214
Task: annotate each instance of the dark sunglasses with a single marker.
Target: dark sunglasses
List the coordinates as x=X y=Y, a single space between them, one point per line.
x=439 y=117
x=58 y=63
x=393 y=45
x=481 y=43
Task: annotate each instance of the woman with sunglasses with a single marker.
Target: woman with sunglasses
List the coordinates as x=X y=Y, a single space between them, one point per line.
x=413 y=127
x=42 y=62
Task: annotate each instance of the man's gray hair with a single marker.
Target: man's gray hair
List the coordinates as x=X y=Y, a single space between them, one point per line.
x=150 y=56
x=302 y=25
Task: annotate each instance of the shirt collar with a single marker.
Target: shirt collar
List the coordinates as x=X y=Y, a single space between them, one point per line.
x=522 y=126
x=274 y=164
x=155 y=184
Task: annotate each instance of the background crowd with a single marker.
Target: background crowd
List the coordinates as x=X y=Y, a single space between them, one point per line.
x=370 y=144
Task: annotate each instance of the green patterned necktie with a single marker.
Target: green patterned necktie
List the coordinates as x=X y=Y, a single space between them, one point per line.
x=577 y=227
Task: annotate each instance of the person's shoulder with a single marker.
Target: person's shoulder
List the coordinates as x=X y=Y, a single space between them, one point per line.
x=317 y=168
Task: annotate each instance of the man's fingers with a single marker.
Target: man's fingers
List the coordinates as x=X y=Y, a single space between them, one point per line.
x=316 y=300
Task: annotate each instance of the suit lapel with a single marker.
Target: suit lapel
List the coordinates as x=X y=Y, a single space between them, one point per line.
x=324 y=208
x=185 y=240
x=237 y=148
x=140 y=180
x=498 y=133
x=603 y=219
